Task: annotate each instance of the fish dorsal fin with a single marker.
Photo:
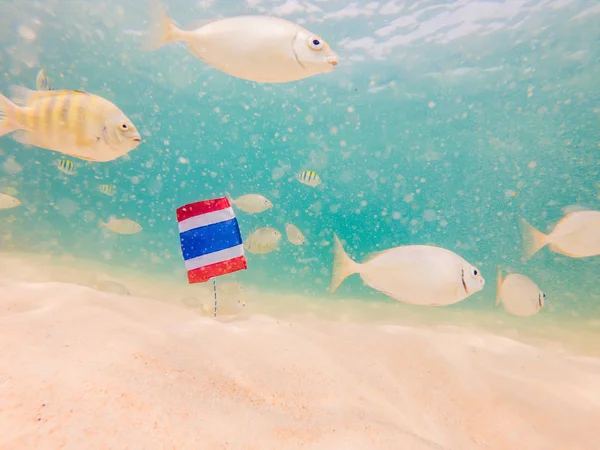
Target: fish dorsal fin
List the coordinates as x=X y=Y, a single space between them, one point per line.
x=21 y=95
x=41 y=81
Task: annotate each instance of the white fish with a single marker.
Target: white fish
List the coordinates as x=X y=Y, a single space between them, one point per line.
x=576 y=235
x=251 y=203
x=519 y=294
x=122 y=226
x=416 y=274
x=263 y=240
x=309 y=178
x=256 y=48
x=8 y=201
x=294 y=235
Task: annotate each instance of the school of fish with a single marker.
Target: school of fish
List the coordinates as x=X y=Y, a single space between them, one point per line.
x=267 y=49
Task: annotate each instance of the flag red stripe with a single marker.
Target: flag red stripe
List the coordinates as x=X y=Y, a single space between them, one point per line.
x=203 y=207
x=202 y=274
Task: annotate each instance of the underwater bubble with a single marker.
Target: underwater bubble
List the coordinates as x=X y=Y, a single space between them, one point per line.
x=277 y=173
x=27 y=33
x=429 y=215
x=11 y=166
x=89 y=216
x=67 y=207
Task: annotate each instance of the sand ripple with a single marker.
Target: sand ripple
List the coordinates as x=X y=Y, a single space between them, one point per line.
x=86 y=369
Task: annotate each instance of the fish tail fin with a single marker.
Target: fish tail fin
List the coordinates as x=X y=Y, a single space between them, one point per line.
x=8 y=110
x=498 y=285
x=533 y=239
x=230 y=198
x=343 y=265
x=164 y=29
x=101 y=224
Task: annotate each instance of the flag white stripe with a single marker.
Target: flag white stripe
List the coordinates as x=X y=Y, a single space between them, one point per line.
x=215 y=257
x=202 y=220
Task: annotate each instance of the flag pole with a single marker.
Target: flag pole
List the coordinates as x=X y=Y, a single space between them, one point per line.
x=215 y=293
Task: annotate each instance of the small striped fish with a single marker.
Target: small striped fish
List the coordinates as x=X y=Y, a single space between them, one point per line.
x=309 y=178
x=75 y=123
x=107 y=189
x=66 y=166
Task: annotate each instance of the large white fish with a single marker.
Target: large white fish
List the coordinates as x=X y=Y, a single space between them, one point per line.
x=256 y=48
x=519 y=294
x=576 y=235
x=416 y=274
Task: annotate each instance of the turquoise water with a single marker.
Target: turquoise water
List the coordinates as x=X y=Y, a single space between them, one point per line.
x=442 y=123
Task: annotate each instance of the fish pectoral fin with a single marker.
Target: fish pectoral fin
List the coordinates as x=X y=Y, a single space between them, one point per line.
x=83 y=142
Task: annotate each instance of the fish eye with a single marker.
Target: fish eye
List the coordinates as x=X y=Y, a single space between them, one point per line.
x=124 y=126
x=315 y=43
x=544 y=294
x=475 y=272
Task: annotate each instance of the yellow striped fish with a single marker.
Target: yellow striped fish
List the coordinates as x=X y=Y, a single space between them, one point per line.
x=75 y=123
x=66 y=166
x=309 y=178
x=107 y=189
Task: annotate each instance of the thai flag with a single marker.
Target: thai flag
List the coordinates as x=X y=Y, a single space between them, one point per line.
x=210 y=239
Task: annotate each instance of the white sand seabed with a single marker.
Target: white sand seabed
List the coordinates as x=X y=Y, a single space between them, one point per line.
x=80 y=368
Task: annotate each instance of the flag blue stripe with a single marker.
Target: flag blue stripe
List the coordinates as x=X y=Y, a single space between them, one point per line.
x=210 y=238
